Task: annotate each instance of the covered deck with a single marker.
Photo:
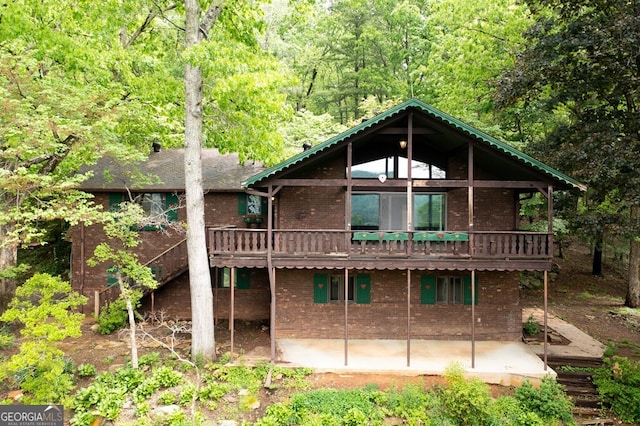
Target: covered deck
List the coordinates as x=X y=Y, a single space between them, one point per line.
x=327 y=248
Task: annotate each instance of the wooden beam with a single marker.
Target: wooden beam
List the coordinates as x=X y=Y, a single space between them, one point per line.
x=417 y=183
x=403 y=131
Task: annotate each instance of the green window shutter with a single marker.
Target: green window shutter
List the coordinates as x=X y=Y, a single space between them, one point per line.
x=156 y=270
x=242 y=278
x=320 y=288
x=264 y=202
x=115 y=198
x=242 y=204
x=363 y=289
x=171 y=206
x=428 y=290
x=467 y=290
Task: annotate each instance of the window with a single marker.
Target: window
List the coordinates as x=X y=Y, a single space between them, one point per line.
x=223 y=278
x=447 y=290
x=388 y=211
x=252 y=204
x=336 y=288
x=396 y=168
x=330 y=288
x=159 y=206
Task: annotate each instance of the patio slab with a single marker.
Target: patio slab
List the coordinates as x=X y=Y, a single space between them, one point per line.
x=504 y=363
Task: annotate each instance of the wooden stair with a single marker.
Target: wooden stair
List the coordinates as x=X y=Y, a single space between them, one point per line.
x=169 y=264
x=575 y=374
x=166 y=266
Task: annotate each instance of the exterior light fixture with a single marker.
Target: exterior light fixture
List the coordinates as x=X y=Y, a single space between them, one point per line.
x=403 y=144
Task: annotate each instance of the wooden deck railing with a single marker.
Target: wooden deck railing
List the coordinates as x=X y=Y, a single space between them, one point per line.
x=498 y=245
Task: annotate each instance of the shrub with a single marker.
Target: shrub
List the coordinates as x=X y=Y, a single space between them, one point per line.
x=531 y=327
x=619 y=386
x=465 y=401
x=507 y=410
x=44 y=306
x=86 y=370
x=114 y=317
x=549 y=402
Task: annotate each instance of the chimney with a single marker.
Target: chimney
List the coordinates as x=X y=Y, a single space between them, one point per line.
x=156 y=146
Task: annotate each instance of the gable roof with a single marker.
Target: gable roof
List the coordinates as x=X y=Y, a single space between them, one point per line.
x=220 y=172
x=440 y=117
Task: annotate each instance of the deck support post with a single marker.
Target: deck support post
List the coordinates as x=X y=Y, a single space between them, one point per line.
x=408 y=317
x=272 y=274
x=473 y=319
x=232 y=286
x=546 y=283
x=346 y=316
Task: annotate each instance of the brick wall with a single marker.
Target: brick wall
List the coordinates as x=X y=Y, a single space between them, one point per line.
x=498 y=312
x=220 y=209
x=251 y=304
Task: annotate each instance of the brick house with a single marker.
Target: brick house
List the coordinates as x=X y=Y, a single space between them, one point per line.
x=403 y=227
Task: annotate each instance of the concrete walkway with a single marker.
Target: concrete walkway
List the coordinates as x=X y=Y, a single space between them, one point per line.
x=580 y=343
x=504 y=363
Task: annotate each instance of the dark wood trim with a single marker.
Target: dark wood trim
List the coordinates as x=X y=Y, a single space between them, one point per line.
x=417 y=183
x=384 y=264
x=403 y=131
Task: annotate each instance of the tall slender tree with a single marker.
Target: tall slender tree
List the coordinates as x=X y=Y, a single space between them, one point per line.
x=582 y=58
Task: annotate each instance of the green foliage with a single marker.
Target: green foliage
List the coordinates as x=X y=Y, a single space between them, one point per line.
x=465 y=401
x=44 y=306
x=113 y=317
x=411 y=402
x=531 y=327
x=338 y=404
x=619 y=386
x=86 y=370
x=548 y=401
x=507 y=410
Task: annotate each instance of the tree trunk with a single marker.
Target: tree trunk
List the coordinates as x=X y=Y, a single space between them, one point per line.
x=633 y=288
x=596 y=266
x=132 y=331
x=8 y=260
x=203 y=341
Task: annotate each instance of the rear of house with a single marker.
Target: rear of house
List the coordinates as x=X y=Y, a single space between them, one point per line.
x=404 y=227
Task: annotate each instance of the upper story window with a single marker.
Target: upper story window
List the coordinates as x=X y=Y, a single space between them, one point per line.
x=388 y=211
x=396 y=168
x=159 y=207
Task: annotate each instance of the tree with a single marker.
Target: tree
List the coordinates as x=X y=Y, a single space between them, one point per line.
x=582 y=61
x=45 y=307
x=73 y=91
x=203 y=340
x=121 y=227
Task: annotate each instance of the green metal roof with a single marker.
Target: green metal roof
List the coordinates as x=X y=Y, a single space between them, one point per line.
x=438 y=116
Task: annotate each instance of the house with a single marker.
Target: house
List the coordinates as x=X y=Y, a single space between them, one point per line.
x=403 y=227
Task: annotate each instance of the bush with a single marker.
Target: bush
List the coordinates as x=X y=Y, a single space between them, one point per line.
x=531 y=327
x=114 y=317
x=86 y=370
x=549 y=402
x=619 y=386
x=44 y=306
x=465 y=401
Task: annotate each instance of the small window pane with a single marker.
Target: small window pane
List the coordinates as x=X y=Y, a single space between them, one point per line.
x=153 y=205
x=429 y=212
x=373 y=169
x=365 y=211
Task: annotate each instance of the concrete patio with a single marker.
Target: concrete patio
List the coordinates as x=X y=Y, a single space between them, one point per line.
x=505 y=363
